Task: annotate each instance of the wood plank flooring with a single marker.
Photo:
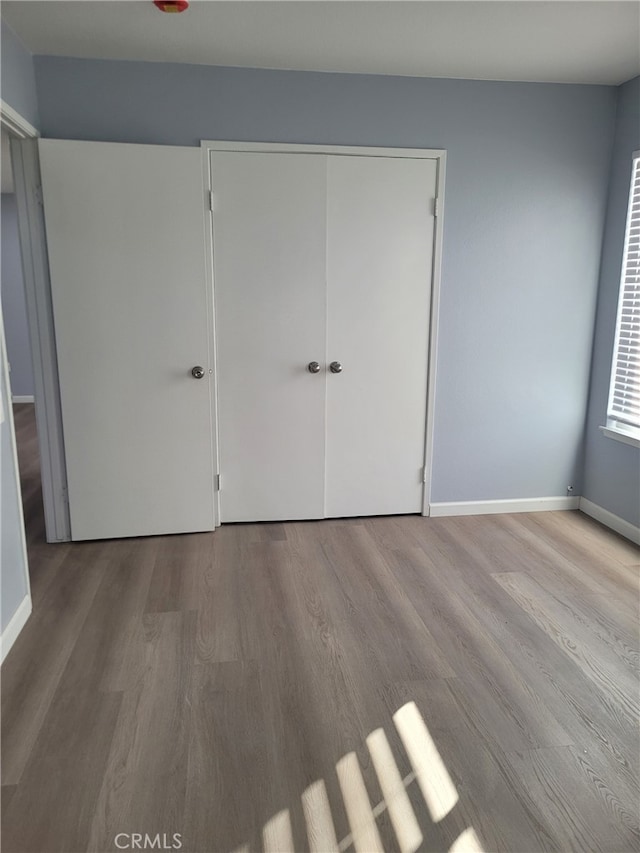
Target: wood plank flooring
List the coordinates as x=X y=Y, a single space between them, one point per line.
x=372 y=684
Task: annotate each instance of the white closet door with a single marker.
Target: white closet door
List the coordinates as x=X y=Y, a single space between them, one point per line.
x=379 y=256
x=269 y=267
x=125 y=233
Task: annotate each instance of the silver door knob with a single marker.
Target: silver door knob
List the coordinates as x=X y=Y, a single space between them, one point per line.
x=313 y=367
x=335 y=367
x=197 y=372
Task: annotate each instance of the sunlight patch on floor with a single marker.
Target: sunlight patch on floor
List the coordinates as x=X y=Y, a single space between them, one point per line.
x=429 y=771
x=317 y=815
x=277 y=834
x=468 y=842
x=435 y=783
x=366 y=838
x=394 y=792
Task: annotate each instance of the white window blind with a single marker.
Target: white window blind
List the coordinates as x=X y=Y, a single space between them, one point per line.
x=624 y=396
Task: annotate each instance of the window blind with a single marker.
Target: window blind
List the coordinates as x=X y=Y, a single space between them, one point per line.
x=624 y=397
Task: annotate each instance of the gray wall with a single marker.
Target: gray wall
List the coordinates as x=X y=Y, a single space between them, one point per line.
x=13 y=577
x=612 y=469
x=526 y=194
x=17 y=79
x=14 y=308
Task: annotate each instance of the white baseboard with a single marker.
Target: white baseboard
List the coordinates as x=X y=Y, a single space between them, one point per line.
x=23 y=398
x=17 y=623
x=624 y=528
x=491 y=507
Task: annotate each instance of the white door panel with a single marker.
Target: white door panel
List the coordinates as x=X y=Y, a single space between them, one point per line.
x=321 y=258
x=380 y=237
x=269 y=270
x=125 y=233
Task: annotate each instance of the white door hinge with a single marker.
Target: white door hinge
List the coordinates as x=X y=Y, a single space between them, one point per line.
x=211 y=200
x=424 y=474
x=38 y=196
x=436 y=206
x=65 y=494
x=217 y=482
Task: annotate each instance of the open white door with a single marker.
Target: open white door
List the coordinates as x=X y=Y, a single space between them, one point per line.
x=125 y=234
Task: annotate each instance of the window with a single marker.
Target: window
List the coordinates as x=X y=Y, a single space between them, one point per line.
x=623 y=411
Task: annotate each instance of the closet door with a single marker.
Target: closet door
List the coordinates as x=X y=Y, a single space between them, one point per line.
x=125 y=235
x=270 y=294
x=379 y=268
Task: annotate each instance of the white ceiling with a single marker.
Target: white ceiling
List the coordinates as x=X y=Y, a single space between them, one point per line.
x=580 y=41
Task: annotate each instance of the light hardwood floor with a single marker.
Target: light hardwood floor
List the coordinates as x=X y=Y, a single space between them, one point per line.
x=386 y=683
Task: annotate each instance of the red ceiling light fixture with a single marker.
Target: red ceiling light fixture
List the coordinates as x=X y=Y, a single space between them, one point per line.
x=171 y=5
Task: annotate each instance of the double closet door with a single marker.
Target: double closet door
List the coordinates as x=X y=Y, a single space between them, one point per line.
x=317 y=258
x=322 y=270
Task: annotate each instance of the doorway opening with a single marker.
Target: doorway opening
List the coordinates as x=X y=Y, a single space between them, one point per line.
x=20 y=364
x=31 y=335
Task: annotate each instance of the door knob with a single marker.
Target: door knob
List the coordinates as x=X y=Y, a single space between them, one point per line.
x=335 y=367
x=313 y=367
x=197 y=372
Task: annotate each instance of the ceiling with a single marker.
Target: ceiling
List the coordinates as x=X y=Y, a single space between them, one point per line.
x=579 y=41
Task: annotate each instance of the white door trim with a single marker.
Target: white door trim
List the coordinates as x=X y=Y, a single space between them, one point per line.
x=17 y=623
x=15 y=124
x=23 y=610
x=297 y=148
x=438 y=154
x=213 y=344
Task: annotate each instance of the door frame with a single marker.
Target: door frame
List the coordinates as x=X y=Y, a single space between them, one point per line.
x=437 y=154
x=35 y=272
